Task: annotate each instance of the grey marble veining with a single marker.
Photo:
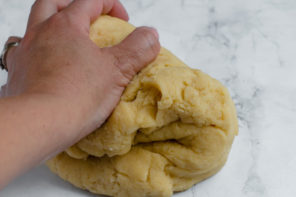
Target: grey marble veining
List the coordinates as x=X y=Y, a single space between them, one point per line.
x=250 y=46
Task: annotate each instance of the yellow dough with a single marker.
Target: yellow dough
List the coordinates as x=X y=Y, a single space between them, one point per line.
x=173 y=128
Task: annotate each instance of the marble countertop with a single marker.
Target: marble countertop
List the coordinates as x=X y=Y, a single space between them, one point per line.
x=250 y=46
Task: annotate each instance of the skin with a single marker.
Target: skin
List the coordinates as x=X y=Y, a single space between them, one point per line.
x=60 y=85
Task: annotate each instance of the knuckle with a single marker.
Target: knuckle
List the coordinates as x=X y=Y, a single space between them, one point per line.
x=70 y=20
x=61 y=21
x=55 y=24
x=147 y=32
x=56 y=20
x=149 y=38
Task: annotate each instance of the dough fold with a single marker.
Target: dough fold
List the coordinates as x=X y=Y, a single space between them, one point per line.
x=173 y=127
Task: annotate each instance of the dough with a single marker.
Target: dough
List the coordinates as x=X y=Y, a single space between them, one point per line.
x=173 y=128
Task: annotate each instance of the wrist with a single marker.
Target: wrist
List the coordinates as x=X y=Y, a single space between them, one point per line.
x=62 y=119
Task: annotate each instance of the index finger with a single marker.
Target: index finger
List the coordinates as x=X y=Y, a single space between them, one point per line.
x=44 y=9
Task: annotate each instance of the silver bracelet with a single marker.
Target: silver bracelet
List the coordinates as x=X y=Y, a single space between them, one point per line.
x=12 y=41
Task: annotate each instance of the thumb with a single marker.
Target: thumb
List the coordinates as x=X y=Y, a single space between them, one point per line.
x=135 y=52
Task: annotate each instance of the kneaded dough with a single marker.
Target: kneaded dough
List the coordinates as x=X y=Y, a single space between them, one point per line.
x=172 y=128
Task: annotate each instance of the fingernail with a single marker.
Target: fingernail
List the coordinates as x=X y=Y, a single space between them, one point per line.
x=154 y=31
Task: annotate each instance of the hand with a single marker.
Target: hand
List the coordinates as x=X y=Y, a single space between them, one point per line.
x=60 y=70
x=56 y=58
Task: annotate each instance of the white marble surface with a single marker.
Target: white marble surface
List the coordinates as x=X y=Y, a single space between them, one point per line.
x=248 y=45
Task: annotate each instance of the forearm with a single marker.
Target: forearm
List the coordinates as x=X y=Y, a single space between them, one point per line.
x=31 y=129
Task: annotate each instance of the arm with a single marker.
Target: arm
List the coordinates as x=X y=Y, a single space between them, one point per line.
x=30 y=131
x=61 y=86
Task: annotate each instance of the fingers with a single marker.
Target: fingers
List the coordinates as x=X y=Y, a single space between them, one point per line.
x=87 y=11
x=84 y=11
x=43 y=9
x=119 y=11
x=135 y=52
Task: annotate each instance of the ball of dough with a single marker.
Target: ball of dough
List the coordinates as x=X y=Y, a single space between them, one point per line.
x=172 y=128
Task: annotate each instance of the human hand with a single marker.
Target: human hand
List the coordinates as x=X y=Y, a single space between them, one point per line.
x=57 y=61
